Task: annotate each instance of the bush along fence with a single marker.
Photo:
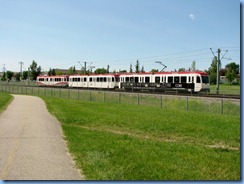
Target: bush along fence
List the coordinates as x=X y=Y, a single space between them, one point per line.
x=187 y=103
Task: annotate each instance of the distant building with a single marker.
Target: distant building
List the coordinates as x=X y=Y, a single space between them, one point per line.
x=223 y=80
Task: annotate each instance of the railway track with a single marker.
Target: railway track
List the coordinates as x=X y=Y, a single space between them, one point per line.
x=175 y=93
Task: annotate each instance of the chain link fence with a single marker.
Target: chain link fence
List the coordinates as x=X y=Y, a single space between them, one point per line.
x=187 y=103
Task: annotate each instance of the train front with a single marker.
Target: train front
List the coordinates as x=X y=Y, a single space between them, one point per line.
x=205 y=85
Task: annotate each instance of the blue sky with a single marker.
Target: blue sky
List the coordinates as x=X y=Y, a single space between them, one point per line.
x=59 y=33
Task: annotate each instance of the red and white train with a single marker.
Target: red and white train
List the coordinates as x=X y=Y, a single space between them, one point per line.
x=159 y=81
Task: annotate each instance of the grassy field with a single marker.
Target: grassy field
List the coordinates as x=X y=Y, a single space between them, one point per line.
x=128 y=142
x=5 y=99
x=226 y=89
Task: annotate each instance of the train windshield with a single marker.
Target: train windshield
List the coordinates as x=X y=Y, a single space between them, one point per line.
x=205 y=79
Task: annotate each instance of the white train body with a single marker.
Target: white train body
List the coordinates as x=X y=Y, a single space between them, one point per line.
x=159 y=81
x=58 y=81
x=104 y=81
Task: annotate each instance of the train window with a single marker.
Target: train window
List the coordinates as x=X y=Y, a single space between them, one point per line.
x=85 y=79
x=79 y=79
x=192 y=79
x=127 y=79
x=90 y=79
x=113 y=79
x=142 y=79
x=157 y=79
x=117 y=79
x=176 y=79
x=198 y=79
x=183 y=79
x=136 y=79
x=105 y=79
x=101 y=79
x=131 y=79
x=147 y=79
x=170 y=79
x=205 y=79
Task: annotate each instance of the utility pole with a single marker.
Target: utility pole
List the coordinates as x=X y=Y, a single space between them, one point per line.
x=82 y=66
x=217 y=81
x=21 y=64
x=85 y=67
x=218 y=63
x=4 y=68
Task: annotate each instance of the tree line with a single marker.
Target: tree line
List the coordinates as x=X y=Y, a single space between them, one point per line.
x=31 y=74
x=231 y=71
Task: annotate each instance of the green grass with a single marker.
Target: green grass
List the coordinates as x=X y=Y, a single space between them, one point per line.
x=226 y=89
x=5 y=99
x=129 y=142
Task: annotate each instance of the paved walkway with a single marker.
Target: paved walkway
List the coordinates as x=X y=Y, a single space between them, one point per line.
x=31 y=144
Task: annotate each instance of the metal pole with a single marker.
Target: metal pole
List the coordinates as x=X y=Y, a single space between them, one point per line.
x=217 y=80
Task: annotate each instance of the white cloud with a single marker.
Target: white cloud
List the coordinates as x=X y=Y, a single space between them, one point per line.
x=192 y=16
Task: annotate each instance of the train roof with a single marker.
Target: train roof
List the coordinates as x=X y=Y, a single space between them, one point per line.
x=106 y=74
x=54 y=76
x=165 y=73
x=124 y=74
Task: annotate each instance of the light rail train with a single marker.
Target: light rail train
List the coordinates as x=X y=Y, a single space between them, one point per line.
x=158 y=81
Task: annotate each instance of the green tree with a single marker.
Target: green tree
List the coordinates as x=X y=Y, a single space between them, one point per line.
x=193 y=66
x=17 y=76
x=34 y=70
x=212 y=71
x=142 y=69
x=9 y=75
x=181 y=70
x=122 y=71
x=24 y=75
x=51 y=72
x=108 y=69
x=3 y=77
x=100 y=71
x=72 y=70
x=154 y=70
x=232 y=70
x=137 y=66
x=131 y=70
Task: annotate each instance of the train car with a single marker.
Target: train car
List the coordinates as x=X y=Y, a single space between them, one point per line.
x=57 y=81
x=166 y=81
x=103 y=81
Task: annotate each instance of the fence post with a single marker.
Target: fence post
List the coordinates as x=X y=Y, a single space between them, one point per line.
x=119 y=98
x=187 y=103
x=222 y=106
x=161 y=102
x=138 y=99
x=104 y=96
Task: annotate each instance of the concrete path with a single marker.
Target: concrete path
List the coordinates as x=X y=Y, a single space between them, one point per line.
x=31 y=144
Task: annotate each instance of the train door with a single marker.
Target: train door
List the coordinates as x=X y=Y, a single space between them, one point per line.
x=198 y=83
x=90 y=83
x=85 y=82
